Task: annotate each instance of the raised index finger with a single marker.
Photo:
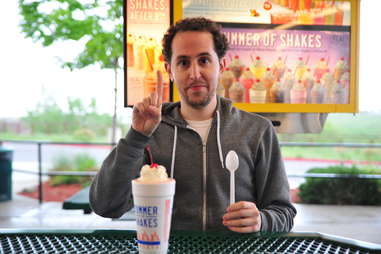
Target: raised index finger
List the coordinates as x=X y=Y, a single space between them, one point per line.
x=159 y=90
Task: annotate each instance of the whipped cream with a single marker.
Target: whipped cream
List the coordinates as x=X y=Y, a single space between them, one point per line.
x=153 y=173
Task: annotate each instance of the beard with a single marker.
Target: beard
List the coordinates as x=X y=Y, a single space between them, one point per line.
x=198 y=100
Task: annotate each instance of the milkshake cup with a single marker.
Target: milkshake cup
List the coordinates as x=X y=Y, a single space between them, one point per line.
x=153 y=199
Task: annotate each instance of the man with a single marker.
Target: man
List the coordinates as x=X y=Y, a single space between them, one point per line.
x=191 y=139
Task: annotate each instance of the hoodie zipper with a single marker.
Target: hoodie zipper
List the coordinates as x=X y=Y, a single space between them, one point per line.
x=204 y=187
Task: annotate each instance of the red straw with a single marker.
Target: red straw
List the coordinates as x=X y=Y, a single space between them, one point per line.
x=150 y=158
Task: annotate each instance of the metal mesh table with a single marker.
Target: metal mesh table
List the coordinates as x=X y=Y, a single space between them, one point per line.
x=123 y=241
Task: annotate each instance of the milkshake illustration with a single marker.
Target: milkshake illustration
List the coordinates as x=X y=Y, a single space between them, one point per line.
x=227 y=79
x=340 y=68
x=308 y=82
x=317 y=93
x=278 y=68
x=288 y=83
x=344 y=80
x=300 y=69
x=258 y=92
x=277 y=92
x=298 y=93
x=140 y=54
x=236 y=67
x=339 y=95
x=268 y=81
x=247 y=80
x=149 y=59
x=236 y=92
x=258 y=68
x=130 y=50
x=328 y=80
x=320 y=68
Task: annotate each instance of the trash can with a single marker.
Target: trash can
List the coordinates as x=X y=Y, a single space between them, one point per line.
x=5 y=174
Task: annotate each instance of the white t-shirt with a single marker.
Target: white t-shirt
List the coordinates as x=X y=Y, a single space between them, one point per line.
x=202 y=128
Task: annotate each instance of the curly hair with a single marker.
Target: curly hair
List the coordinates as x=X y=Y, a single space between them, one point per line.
x=195 y=24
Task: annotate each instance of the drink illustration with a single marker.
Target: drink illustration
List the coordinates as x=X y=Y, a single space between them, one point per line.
x=317 y=93
x=247 y=80
x=339 y=95
x=308 y=82
x=258 y=92
x=258 y=68
x=300 y=68
x=236 y=67
x=288 y=83
x=227 y=79
x=320 y=68
x=298 y=93
x=278 y=68
x=268 y=81
x=236 y=92
x=277 y=92
x=340 y=68
x=130 y=50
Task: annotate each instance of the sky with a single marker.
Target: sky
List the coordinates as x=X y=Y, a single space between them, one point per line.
x=29 y=72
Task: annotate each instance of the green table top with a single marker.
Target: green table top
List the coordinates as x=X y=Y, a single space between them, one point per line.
x=124 y=241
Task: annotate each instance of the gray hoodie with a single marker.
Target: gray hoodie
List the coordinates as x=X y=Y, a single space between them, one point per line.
x=202 y=183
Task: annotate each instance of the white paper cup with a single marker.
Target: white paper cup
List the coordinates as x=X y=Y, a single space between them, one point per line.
x=153 y=209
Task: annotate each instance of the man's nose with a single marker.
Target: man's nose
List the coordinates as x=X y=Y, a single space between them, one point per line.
x=195 y=71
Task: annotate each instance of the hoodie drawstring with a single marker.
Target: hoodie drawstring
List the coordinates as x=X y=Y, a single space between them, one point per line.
x=219 y=139
x=174 y=152
x=218 y=145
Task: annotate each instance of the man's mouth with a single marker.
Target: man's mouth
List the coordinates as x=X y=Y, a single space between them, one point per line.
x=197 y=87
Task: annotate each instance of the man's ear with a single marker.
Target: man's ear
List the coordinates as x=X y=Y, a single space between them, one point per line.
x=222 y=65
x=168 y=69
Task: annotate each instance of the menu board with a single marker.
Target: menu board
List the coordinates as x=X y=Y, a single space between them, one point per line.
x=145 y=24
x=286 y=55
x=298 y=65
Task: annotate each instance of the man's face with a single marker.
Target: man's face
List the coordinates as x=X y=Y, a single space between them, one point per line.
x=195 y=67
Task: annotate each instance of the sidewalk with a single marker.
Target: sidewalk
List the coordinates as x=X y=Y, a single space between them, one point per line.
x=356 y=222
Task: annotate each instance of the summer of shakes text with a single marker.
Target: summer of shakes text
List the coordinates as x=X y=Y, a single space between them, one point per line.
x=146 y=216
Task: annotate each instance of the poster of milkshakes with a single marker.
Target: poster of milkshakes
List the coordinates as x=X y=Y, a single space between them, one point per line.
x=294 y=66
x=145 y=23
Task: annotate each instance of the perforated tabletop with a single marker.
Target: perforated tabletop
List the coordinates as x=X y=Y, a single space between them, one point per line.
x=122 y=241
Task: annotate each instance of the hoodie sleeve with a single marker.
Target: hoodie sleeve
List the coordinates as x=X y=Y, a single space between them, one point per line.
x=277 y=212
x=111 y=191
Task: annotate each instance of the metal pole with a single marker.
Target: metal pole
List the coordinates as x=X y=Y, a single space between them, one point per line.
x=39 y=174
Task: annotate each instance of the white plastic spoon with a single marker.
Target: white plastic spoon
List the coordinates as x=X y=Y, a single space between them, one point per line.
x=232 y=163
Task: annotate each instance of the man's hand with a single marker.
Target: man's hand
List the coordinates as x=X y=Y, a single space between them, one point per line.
x=242 y=217
x=146 y=115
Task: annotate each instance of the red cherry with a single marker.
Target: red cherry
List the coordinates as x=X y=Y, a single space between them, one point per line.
x=153 y=165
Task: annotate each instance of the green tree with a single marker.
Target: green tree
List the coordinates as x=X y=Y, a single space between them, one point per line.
x=98 y=22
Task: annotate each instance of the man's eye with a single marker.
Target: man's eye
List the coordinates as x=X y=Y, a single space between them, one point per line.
x=182 y=63
x=204 y=60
